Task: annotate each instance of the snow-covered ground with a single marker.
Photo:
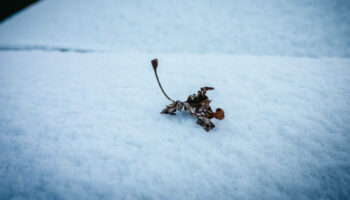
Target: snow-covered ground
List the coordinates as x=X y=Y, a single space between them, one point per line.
x=273 y=27
x=79 y=103
x=77 y=126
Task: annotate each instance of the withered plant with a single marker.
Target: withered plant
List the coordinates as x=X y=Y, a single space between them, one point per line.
x=198 y=105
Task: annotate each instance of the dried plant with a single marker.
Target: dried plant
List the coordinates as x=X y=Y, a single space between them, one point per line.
x=197 y=105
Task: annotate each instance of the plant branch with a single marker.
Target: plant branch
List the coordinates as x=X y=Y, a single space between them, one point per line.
x=155 y=65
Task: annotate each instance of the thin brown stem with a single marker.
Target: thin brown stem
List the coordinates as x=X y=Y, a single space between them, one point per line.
x=155 y=65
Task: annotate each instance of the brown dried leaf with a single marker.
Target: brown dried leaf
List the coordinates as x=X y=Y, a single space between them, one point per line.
x=219 y=114
x=198 y=105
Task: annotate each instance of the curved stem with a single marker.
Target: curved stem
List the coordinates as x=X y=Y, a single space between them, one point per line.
x=155 y=65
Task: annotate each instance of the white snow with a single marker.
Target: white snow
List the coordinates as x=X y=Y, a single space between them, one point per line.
x=79 y=102
x=87 y=126
x=276 y=27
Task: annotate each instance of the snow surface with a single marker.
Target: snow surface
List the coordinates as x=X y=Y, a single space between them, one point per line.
x=79 y=103
x=87 y=126
x=273 y=27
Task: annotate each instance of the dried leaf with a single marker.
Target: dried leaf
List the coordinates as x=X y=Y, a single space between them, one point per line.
x=198 y=105
x=219 y=114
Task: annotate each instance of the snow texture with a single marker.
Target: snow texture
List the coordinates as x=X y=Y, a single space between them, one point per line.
x=87 y=126
x=275 y=27
x=79 y=102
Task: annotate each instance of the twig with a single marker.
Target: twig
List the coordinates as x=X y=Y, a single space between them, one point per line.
x=155 y=65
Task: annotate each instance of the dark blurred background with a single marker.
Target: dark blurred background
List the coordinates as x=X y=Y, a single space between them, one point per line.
x=9 y=7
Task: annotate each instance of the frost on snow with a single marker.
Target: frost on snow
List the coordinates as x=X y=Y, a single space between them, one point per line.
x=197 y=105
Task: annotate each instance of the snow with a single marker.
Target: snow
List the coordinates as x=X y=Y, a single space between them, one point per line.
x=314 y=28
x=86 y=126
x=80 y=105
